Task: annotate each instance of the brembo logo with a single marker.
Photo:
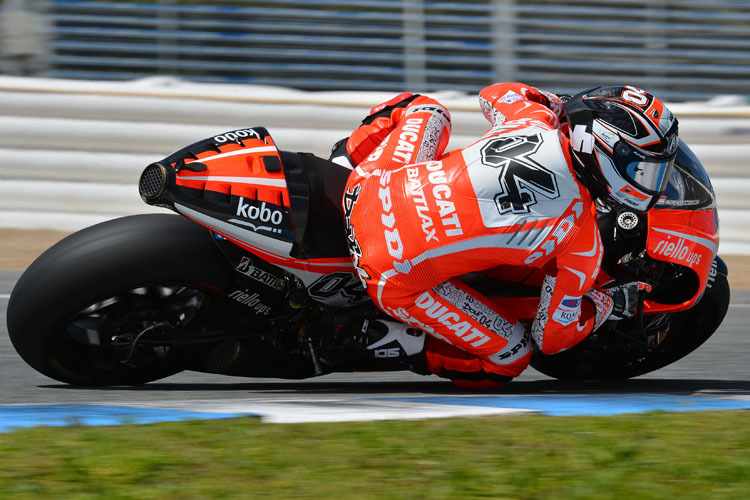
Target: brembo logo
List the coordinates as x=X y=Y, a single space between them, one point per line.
x=261 y=213
x=237 y=134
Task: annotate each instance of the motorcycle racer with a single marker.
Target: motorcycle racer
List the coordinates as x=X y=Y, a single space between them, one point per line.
x=522 y=197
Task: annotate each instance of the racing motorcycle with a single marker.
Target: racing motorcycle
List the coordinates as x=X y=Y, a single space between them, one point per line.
x=240 y=280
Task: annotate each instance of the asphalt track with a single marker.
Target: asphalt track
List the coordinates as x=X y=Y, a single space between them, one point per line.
x=716 y=376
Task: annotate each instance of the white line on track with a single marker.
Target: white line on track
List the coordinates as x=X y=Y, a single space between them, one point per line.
x=4 y=295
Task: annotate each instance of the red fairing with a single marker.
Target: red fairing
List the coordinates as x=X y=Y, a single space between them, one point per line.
x=688 y=238
x=262 y=222
x=231 y=169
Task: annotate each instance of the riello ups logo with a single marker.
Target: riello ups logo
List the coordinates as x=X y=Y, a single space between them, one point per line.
x=678 y=249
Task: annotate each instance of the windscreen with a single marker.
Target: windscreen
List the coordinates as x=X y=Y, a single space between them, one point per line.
x=689 y=186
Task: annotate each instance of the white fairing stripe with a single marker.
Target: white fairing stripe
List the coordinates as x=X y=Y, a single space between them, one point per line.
x=277 y=248
x=271 y=245
x=259 y=181
x=696 y=239
x=239 y=152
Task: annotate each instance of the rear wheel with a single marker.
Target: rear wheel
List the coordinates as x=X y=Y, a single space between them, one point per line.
x=92 y=309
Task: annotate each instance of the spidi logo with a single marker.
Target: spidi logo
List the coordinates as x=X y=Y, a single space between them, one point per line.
x=260 y=213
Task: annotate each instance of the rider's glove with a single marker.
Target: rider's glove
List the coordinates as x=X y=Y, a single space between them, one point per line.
x=625 y=298
x=555 y=104
x=616 y=302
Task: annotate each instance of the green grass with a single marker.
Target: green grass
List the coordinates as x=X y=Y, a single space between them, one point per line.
x=658 y=455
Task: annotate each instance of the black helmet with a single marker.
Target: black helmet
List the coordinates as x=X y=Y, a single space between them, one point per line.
x=624 y=140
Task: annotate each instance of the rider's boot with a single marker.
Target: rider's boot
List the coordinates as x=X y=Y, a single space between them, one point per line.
x=353 y=342
x=393 y=345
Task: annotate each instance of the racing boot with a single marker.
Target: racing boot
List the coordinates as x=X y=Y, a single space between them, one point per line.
x=353 y=343
x=390 y=345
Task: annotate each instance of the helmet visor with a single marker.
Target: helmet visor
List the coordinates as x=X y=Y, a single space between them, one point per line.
x=649 y=173
x=649 y=176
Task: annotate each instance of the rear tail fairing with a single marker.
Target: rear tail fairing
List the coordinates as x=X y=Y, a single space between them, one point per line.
x=231 y=183
x=278 y=206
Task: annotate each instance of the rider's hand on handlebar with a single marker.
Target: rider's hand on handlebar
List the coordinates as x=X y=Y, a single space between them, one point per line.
x=625 y=298
x=616 y=301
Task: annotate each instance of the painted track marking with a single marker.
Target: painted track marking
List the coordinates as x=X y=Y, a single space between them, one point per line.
x=345 y=409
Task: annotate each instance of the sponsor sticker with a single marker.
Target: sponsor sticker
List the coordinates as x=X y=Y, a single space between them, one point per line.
x=678 y=249
x=263 y=217
x=568 y=311
x=510 y=96
x=251 y=300
x=237 y=136
x=247 y=268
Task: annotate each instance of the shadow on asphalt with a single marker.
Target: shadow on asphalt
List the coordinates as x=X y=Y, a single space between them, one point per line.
x=639 y=386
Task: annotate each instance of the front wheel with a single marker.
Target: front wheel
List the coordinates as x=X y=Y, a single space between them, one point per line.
x=82 y=312
x=608 y=355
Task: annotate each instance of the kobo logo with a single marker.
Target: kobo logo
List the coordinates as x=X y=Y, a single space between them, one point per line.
x=260 y=213
x=237 y=136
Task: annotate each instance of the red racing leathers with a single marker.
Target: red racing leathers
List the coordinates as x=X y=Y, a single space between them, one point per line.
x=417 y=220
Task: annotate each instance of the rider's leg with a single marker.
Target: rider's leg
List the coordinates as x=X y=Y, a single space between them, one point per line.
x=474 y=339
x=383 y=119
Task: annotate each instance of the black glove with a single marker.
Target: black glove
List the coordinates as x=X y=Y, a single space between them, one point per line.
x=616 y=302
x=625 y=298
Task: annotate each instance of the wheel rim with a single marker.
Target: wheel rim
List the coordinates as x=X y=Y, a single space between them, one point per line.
x=121 y=333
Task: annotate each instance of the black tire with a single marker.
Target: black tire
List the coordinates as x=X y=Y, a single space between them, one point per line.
x=604 y=357
x=109 y=260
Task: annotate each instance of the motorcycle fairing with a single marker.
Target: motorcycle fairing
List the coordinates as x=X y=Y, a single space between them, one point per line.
x=237 y=184
x=241 y=187
x=683 y=228
x=688 y=238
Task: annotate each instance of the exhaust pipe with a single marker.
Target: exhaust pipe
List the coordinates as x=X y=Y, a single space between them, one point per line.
x=154 y=182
